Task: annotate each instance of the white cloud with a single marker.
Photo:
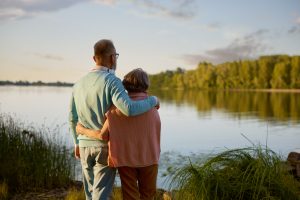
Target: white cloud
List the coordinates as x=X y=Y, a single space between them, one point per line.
x=212 y=27
x=247 y=47
x=13 y=13
x=49 y=56
x=106 y=2
x=294 y=29
x=180 y=9
x=16 y=9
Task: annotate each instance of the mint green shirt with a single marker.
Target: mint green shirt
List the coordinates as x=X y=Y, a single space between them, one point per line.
x=93 y=95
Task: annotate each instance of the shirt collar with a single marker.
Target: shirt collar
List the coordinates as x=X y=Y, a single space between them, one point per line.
x=104 y=69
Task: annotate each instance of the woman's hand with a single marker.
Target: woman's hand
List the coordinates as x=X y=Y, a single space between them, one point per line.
x=79 y=129
x=97 y=134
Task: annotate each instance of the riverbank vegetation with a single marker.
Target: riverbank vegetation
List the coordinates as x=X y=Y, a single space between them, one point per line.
x=31 y=159
x=248 y=173
x=267 y=72
x=32 y=162
x=37 y=83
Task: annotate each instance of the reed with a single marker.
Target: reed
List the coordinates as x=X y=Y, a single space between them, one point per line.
x=246 y=173
x=78 y=194
x=3 y=190
x=32 y=159
x=75 y=194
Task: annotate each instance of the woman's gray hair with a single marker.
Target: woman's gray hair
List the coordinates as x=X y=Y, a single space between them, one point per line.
x=136 y=80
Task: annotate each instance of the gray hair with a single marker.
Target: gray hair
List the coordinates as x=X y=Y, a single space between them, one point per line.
x=136 y=80
x=103 y=47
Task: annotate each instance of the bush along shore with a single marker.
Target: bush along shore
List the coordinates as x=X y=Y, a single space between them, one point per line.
x=31 y=160
x=34 y=166
x=247 y=173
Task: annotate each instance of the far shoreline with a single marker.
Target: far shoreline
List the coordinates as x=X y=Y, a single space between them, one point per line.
x=267 y=90
x=270 y=90
x=64 y=84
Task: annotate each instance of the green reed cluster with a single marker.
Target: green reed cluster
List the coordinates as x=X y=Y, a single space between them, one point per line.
x=247 y=173
x=32 y=159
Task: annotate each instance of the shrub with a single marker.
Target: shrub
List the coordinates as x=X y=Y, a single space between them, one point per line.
x=247 y=173
x=30 y=160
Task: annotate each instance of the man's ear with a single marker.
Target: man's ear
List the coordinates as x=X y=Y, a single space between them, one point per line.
x=94 y=57
x=112 y=59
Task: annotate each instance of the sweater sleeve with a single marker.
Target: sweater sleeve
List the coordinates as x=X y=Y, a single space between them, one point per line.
x=123 y=102
x=73 y=119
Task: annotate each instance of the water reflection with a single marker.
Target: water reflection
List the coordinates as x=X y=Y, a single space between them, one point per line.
x=185 y=136
x=267 y=106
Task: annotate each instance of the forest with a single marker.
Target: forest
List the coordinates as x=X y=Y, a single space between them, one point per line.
x=266 y=72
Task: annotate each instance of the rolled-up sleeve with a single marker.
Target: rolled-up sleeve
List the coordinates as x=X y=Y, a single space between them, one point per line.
x=73 y=119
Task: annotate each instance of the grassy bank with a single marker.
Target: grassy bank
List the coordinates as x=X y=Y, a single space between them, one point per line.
x=249 y=173
x=31 y=159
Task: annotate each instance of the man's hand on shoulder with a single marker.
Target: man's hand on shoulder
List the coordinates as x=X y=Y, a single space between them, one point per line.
x=157 y=106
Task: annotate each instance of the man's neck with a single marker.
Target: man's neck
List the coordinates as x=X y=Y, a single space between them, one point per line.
x=99 y=66
x=102 y=67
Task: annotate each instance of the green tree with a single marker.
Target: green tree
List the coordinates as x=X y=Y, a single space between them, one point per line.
x=281 y=75
x=247 y=70
x=265 y=71
x=279 y=71
x=221 y=76
x=295 y=72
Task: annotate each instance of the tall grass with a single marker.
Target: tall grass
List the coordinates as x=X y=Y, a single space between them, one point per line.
x=3 y=190
x=75 y=194
x=247 y=173
x=29 y=160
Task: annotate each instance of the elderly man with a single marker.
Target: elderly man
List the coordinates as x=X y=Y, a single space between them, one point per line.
x=92 y=96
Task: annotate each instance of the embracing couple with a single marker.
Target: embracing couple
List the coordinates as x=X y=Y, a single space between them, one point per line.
x=115 y=126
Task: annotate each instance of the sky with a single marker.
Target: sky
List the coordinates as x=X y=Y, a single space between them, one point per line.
x=52 y=40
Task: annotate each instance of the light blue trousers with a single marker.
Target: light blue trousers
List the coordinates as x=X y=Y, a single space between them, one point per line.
x=98 y=177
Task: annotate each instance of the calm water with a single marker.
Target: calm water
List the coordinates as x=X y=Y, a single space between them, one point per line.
x=192 y=122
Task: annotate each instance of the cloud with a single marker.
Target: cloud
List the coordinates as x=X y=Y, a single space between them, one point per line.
x=180 y=9
x=298 y=20
x=106 y=2
x=294 y=30
x=212 y=26
x=49 y=56
x=13 y=13
x=247 y=47
x=19 y=9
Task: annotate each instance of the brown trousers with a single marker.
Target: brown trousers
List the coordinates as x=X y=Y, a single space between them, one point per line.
x=138 y=183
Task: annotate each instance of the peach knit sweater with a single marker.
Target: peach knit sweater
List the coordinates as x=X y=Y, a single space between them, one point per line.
x=133 y=141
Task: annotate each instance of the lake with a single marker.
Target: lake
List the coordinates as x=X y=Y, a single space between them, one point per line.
x=193 y=122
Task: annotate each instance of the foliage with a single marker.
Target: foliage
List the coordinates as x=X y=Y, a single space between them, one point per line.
x=271 y=106
x=74 y=194
x=3 y=190
x=268 y=72
x=248 y=173
x=37 y=83
x=29 y=160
